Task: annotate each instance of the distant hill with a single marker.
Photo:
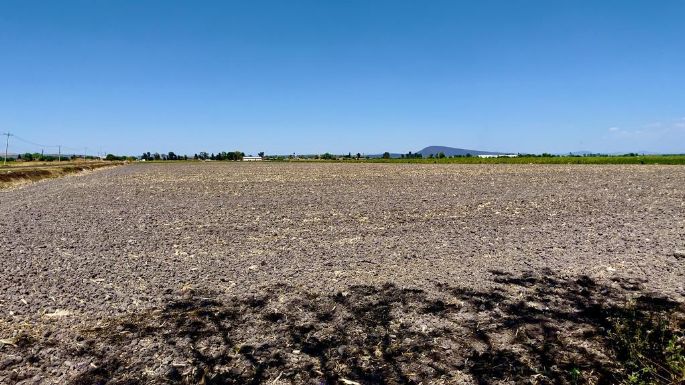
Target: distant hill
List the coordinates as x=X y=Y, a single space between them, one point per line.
x=392 y=155
x=580 y=152
x=451 y=151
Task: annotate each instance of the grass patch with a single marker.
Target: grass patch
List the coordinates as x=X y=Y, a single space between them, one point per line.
x=650 y=346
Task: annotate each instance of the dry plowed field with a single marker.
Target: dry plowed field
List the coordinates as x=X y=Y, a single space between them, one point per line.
x=332 y=273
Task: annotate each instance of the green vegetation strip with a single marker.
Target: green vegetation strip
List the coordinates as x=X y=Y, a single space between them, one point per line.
x=648 y=159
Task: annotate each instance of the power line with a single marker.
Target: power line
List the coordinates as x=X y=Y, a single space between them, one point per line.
x=34 y=143
x=71 y=148
x=59 y=147
x=46 y=145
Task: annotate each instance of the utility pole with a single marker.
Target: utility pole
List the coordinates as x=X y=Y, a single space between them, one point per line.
x=7 y=145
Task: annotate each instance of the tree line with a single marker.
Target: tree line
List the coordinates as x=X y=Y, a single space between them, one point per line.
x=231 y=155
x=39 y=157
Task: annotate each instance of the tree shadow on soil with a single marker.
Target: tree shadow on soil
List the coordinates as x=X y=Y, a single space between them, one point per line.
x=529 y=329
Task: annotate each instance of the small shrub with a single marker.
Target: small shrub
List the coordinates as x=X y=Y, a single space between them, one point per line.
x=650 y=346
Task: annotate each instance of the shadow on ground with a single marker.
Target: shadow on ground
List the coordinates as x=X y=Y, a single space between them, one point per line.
x=530 y=329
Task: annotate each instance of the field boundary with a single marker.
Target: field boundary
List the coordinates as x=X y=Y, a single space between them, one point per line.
x=20 y=175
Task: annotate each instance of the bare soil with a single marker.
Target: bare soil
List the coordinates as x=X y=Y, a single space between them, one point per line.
x=329 y=273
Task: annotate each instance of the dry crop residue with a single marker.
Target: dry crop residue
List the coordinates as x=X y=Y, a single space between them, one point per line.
x=332 y=273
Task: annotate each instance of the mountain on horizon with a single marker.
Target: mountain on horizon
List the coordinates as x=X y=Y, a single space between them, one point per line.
x=580 y=152
x=451 y=151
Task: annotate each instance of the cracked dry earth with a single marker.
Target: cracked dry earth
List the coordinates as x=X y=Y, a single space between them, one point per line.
x=333 y=273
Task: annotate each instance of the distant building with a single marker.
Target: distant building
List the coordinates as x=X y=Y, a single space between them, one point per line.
x=252 y=158
x=498 y=156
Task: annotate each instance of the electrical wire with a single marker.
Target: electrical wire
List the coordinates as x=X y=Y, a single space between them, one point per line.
x=56 y=146
x=33 y=143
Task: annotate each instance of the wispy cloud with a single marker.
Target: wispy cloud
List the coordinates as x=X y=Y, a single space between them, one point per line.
x=652 y=129
x=666 y=135
x=680 y=123
x=624 y=132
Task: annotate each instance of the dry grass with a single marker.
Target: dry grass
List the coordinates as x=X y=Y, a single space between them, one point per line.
x=21 y=173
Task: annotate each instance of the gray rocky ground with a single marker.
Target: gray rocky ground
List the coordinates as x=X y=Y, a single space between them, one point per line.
x=330 y=272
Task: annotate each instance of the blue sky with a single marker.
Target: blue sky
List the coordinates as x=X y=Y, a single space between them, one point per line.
x=343 y=76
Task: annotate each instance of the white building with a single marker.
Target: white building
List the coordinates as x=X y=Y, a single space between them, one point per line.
x=498 y=156
x=252 y=158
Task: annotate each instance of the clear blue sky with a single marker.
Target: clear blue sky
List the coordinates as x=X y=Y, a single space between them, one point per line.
x=360 y=76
